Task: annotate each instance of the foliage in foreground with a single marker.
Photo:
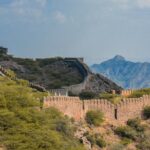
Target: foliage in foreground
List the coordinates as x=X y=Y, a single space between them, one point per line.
x=136 y=132
x=23 y=126
x=94 y=117
x=146 y=112
x=96 y=139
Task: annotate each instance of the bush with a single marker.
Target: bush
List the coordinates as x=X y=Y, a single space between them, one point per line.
x=146 y=112
x=91 y=139
x=24 y=127
x=117 y=147
x=126 y=141
x=135 y=124
x=94 y=117
x=113 y=98
x=126 y=132
x=144 y=144
x=101 y=142
x=96 y=139
x=140 y=93
x=87 y=95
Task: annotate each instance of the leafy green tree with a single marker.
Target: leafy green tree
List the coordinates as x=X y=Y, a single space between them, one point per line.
x=87 y=95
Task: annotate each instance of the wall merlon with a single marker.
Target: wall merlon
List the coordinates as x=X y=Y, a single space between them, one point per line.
x=74 y=107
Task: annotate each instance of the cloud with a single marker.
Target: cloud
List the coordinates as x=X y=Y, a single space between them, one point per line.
x=26 y=9
x=42 y=2
x=124 y=4
x=143 y=3
x=60 y=17
x=132 y=3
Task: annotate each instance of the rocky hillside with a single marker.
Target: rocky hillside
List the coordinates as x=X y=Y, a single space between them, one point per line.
x=125 y=73
x=56 y=73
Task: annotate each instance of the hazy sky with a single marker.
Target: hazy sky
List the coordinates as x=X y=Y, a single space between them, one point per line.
x=94 y=29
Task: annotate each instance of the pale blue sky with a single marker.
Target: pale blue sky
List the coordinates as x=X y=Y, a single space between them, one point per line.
x=94 y=29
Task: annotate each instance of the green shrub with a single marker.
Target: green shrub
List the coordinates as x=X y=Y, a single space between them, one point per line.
x=2 y=101
x=96 y=139
x=135 y=124
x=101 y=142
x=94 y=117
x=117 y=147
x=91 y=139
x=87 y=95
x=144 y=143
x=125 y=141
x=140 y=93
x=146 y=112
x=126 y=132
x=113 y=98
x=23 y=126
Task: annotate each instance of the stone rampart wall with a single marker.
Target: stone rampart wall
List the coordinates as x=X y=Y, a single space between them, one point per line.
x=74 y=107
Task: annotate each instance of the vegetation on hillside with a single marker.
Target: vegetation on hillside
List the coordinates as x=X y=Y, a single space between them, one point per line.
x=86 y=95
x=146 y=112
x=53 y=73
x=113 y=98
x=95 y=118
x=140 y=93
x=116 y=98
x=135 y=132
x=24 y=126
x=96 y=139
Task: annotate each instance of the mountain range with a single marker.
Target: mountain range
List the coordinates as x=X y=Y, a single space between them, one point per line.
x=129 y=75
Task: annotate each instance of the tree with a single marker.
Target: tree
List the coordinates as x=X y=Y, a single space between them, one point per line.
x=3 y=50
x=87 y=95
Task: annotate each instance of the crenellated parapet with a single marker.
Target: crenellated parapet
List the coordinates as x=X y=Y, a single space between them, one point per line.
x=132 y=107
x=74 y=107
x=126 y=92
x=70 y=106
x=100 y=104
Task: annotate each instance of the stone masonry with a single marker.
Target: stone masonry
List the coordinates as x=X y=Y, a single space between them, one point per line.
x=120 y=113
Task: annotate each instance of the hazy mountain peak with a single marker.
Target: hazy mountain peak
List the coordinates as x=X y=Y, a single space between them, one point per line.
x=118 y=57
x=125 y=73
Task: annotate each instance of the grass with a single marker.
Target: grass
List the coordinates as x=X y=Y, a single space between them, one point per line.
x=140 y=93
x=113 y=98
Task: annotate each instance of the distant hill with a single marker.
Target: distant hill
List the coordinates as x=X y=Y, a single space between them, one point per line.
x=125 y=73
x=56 y=73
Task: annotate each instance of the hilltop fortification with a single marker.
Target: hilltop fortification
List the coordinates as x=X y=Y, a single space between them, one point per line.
x=59 y=75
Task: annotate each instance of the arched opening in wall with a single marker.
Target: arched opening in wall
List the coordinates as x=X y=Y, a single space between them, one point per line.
x=116 y=114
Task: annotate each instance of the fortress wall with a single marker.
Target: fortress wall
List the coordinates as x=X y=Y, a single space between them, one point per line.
x=84 y=70
x=77 y=88
x=100 y=104
x=131 y=108
x=120 y=113
x=126 y=92
x=59 y=92
x=71 y=106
